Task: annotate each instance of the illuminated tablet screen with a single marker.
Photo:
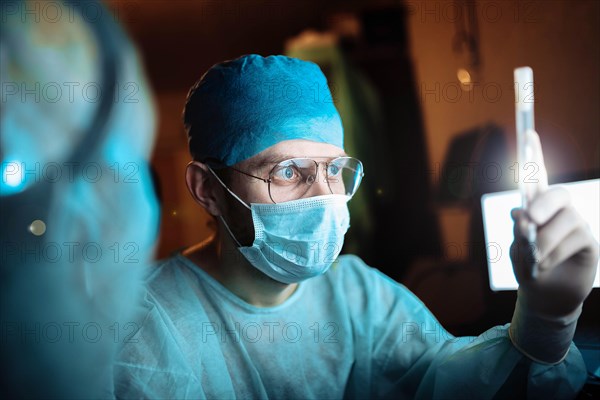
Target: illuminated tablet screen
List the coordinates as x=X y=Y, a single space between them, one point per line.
x=498 y=227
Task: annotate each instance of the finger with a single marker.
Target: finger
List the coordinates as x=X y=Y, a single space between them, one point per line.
x=547 y=204
x=519 y=226
x=515 y=213
x=574 y=243
x=524 y=230
x=551 y=235
x=523 y=256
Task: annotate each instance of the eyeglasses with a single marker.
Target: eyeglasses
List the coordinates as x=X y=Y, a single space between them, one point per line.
x=291 y=179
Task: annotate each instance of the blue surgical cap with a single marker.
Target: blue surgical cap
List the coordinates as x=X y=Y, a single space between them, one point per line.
x=241 y=107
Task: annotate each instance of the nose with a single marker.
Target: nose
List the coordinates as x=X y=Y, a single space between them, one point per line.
x=320 y=186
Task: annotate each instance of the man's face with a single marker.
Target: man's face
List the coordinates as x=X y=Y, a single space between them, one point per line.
x=252 y=190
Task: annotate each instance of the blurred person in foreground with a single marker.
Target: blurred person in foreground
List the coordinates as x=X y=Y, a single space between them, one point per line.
x=265 y=308
x=79 y=215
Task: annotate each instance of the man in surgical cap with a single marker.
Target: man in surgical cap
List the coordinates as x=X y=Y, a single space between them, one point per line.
x=266 y=308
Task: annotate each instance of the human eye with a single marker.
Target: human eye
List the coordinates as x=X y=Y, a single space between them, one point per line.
x=337 y=167
x=286 y=174
x=333 y=170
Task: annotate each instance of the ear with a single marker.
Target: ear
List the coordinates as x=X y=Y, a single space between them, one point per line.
x=203 y=187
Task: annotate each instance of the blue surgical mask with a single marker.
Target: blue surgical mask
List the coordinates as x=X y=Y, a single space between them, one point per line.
x=296 y=240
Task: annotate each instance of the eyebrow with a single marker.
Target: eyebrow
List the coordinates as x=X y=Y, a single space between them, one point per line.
x=275 y=158
x=278 y=157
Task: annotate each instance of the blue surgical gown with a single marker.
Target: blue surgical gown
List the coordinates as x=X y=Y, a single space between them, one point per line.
x=350 y=333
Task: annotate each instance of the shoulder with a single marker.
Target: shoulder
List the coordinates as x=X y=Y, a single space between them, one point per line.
x=169 y=287
x=157 y=348
x=160 y=290
x=170 y=278
x=165 y=268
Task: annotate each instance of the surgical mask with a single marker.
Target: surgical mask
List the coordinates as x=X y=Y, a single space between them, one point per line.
x=295 y=240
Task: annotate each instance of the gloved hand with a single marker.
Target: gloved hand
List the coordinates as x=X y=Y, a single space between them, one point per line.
x=549 y=304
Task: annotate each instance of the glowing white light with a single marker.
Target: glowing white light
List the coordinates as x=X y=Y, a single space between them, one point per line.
x=12 y=174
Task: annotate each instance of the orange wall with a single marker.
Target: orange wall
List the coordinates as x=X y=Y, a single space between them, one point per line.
x=558 y=39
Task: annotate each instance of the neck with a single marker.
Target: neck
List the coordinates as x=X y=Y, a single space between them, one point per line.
x=221 y=259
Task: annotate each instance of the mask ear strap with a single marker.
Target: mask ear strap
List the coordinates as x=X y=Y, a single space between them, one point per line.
x=237 y=198
x=229 y=230
x=230 y=192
